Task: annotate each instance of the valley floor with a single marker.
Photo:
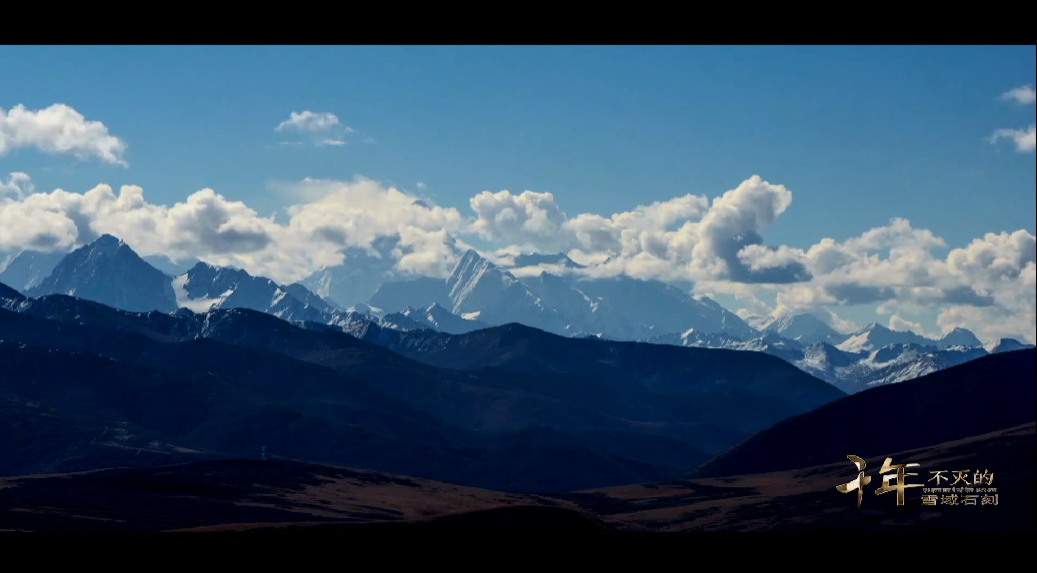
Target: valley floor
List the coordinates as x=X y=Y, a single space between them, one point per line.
x=236 y=495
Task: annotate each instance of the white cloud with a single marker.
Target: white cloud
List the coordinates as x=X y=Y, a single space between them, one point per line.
x=898 y=324
x=980 y=282
x=420 y=185
x=309 y=121
x=839 y=324
x=59 y=129
x=991 y=323
x=1024 y=95
x=322 y=128
x=18 y=185
x=987 y=285
x=686 y=238
x=529 y=217
x=1025 y=140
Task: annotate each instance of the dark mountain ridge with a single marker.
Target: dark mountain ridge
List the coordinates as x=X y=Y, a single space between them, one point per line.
x=264 y=381
x=986 y=395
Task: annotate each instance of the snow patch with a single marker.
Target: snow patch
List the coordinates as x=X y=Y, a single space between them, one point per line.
x=199 y=305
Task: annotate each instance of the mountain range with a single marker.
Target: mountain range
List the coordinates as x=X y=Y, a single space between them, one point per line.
x=519 y=409
x=479 y=294
x=979 y=415
x=242 y=387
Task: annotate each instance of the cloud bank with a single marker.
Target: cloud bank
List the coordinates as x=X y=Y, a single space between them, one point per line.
x=717 y=244
x=59 y=129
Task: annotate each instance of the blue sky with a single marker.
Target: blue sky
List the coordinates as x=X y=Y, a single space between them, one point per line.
x=859 y=135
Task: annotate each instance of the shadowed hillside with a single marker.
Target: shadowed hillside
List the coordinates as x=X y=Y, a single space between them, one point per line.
x=518 y=348
x=231 y=492
x=806 y=500
x=253 y=380
x=279 y=495
x=982 y=396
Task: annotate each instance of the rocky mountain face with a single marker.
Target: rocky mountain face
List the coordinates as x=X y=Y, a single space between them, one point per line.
x=109 y=272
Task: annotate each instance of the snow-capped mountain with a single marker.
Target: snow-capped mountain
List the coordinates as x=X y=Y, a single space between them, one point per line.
x=396 y=296
x=661 y=309
x=109 y=272
x=587 y=314
x=9 y=297
x=959 y=337
x=479 y=294
x=769 y=343
x=849 y=371
x=480 y=289
x=434 y=317
x=875 y=336
x=616 y=308
x=476 y=290
x=358 y=278
x=1006 y=345
x=854 y=372
x=537 y=259
x=806 y=329
x=206 y=287
x=29 y=268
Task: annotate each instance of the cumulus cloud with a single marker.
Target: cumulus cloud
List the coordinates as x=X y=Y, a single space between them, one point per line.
x=686 y=238
x=309 y=121
x=986 y=285
x=1024 y=95
x=18 y=185
x=323 y=129
x=529 y=217
x=1025 y=140
x=59 y=129
x=354 y=214
x=898 y=324
x=991 y=323
x=983 y=280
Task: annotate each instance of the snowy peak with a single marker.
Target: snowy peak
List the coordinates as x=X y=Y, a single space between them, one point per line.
x=662 y=308
x=109 y=272
x=1006 y=345
x=435 y=317
x=873 y=327
x=805 y=329
x=470 y=270
x=29 y=268
x=824 y=356
x=206 y=287
x=537 y=259
x=875 y=336
x=476 y=285
x=106 y=245
x=357 y=279
x=960 y=337
x=759 y=322
x=305 y=296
